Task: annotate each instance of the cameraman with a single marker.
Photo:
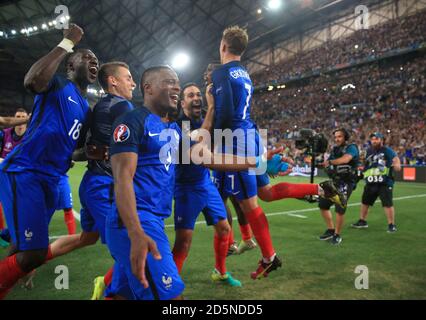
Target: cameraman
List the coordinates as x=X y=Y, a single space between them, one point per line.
x=341 y=167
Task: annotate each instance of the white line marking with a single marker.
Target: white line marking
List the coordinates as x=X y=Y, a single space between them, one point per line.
x=76 y=215
x=56 y=237
x=291 y=213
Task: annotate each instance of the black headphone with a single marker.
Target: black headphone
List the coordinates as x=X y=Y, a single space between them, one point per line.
x=345 y=133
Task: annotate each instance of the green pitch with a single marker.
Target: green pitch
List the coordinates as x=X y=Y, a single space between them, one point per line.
x=312 y=269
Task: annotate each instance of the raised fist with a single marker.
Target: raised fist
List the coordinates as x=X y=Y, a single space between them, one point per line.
x=74 y=33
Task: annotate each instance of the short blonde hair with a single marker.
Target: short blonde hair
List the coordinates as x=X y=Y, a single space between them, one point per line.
x=236 y=38
x=109 y=69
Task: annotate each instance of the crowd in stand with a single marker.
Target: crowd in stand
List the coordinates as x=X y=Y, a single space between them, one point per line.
x=387 y=96
x=376 y=41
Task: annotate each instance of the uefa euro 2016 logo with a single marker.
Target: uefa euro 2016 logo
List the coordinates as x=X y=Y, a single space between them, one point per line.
x=121 y=133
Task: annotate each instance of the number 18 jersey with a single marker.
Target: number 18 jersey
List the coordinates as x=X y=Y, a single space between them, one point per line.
x=58 y=118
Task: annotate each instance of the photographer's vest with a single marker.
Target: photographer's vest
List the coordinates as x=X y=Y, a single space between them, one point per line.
x=344 y=172
x=378 y=166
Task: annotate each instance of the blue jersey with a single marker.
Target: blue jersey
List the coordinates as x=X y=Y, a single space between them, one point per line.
x=232 y=90
x=156 y=143
x=58 y=118
x=105 y=112
x=378 y=166
x=1 y=140
x=191 y=173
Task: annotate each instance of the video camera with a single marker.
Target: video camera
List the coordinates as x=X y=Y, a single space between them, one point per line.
x=314 y=143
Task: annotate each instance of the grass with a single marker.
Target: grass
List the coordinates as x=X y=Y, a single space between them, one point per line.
x=312 y=269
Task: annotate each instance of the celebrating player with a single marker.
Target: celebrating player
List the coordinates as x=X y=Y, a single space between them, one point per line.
x=381 y=161
x=30 y=174
x=96 y=188
x=195 y=193
x=9 y=139
x=233 y=90
x=96 y=193
x=143 y=156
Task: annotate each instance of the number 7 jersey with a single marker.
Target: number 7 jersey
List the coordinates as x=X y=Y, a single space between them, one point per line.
x=233 y=91
x=59 y=117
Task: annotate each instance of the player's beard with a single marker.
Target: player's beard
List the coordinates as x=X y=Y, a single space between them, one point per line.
x=82 y=76
x=196 y=115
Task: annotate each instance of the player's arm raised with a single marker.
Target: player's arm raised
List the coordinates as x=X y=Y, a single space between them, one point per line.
x=209 y=118
x=38 y=77
x=9 y=122
x=124 y=168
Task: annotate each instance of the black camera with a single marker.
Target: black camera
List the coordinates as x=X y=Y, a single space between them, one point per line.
x=314 y=143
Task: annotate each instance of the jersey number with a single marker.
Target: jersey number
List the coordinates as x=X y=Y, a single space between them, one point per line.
x=248 y=88
x=75 y=130
x=375 y=179
x=232 y=177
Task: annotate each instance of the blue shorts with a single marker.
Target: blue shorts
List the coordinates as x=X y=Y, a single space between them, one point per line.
x=29 y=200
x=65 y=195
x=262 y=180
x=190 y=200
x=240 y=185
x=97 y=200
x=119 y=285
x=162 y=275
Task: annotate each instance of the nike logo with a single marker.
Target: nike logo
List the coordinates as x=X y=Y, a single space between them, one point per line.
x=235 y=193
x=153 y=134
x=71 y=100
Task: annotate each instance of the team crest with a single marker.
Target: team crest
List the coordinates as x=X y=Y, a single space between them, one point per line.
x=167 y=281
x=121 y=133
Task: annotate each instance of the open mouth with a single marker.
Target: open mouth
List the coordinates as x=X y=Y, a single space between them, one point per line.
x=196 y=105
x=174 y=98
x=93 y=70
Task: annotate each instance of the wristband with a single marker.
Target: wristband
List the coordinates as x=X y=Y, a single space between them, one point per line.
x=67 y=45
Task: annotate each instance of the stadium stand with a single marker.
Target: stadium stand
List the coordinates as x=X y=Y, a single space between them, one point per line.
x=357 y=82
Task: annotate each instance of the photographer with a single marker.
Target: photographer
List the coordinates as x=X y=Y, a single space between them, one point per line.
x=341 y=167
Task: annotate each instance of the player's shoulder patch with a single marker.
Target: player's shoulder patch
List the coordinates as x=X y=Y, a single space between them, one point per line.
x=121 y=133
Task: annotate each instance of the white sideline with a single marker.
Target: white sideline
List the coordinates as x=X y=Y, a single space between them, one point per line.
x=76 y=215
x=291 y=213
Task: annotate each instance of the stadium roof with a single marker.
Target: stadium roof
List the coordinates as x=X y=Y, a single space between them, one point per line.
x=149 y=32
